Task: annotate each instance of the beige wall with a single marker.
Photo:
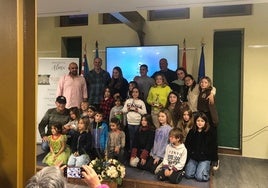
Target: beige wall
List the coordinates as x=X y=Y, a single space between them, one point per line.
x=254 y=114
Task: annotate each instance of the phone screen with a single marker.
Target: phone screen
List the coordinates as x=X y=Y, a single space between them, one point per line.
x=73 y=172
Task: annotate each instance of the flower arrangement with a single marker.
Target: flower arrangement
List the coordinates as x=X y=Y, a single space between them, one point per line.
x=109 y=170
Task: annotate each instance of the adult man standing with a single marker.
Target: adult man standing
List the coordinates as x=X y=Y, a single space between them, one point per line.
x=144 y=82
x=53 y=116
x=97 y=80
x=73 y=87
x=169 y=74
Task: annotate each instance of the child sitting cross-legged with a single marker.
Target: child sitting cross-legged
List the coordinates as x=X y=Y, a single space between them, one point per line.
x=174 y=159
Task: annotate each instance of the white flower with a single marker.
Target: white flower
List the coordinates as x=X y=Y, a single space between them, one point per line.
x=112 y=172
x=111 y=169
x=93 y=162
x=112 y=161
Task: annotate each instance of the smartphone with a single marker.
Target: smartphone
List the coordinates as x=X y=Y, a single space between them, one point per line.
x=73 y=172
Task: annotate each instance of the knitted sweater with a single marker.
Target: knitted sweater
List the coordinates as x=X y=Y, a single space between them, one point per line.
x=116 y=139
x=134 y=108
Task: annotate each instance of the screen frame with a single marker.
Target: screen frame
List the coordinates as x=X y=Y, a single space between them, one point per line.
x=173 y=62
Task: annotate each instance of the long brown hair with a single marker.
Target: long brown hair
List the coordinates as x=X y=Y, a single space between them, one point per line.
x=203 y=116
x=149 y=120
x=119 y=82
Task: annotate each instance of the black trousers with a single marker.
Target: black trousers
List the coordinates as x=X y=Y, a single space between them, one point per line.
x=175 y=177
x=150 y=166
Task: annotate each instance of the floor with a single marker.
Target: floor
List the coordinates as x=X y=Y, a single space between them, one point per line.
x=241 y=172
x=234 y=172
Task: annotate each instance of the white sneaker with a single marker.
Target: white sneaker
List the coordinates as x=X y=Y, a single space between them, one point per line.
x=158 y=168
x=134 y=162
x=216 y=165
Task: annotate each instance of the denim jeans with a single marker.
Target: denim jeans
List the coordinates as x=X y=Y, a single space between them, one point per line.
x=198 y=170
x=79 y=160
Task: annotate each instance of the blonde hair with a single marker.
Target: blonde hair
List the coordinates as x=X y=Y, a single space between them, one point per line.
x=168 y=115
x=164 y=84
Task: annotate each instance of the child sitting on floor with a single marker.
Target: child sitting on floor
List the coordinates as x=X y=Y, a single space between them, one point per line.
x=59 y=151
x=200 y=143
x=174 y=159
x=81 y=146
x=144 y=140
x=157 y=153
x=116 y=141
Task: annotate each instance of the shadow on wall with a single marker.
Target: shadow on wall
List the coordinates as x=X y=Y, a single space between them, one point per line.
x=5 y=182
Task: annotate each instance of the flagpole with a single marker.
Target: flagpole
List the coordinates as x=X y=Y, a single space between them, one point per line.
x=202 y=42
x=97 y=49
x=201 y=71
x=85 y=48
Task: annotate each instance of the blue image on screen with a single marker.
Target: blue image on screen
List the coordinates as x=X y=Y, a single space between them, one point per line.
x=129 y=59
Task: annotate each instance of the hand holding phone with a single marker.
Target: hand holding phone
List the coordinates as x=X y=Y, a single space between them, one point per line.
x=73 y=172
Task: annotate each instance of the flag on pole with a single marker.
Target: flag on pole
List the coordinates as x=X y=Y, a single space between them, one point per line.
x=84 y=68
x=201 y=71
x=184 y=55
x=97 y=49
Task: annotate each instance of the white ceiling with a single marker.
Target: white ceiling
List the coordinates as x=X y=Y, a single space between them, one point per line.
x=71 y=7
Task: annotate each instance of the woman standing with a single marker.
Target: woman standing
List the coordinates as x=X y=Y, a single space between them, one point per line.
x=119 y=84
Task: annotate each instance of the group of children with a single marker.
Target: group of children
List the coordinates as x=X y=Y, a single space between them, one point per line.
x=172 y=141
